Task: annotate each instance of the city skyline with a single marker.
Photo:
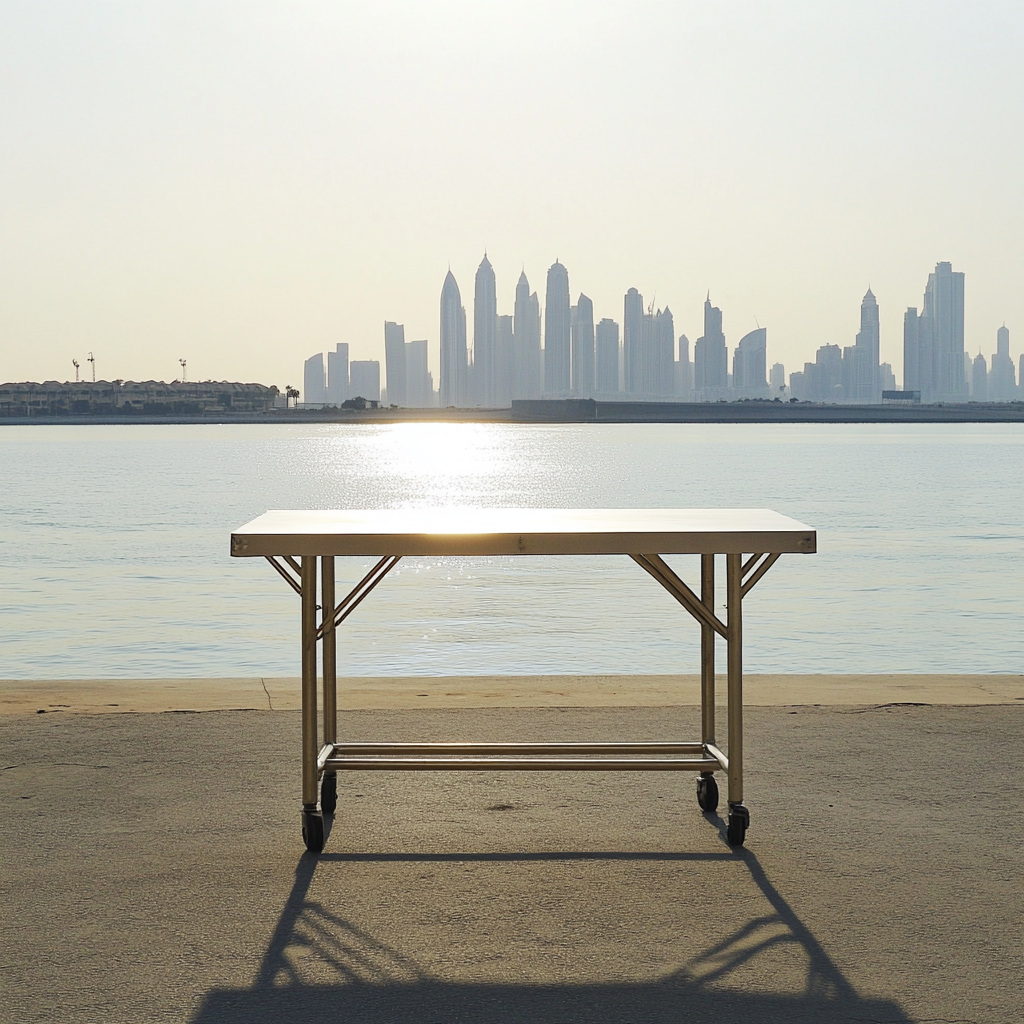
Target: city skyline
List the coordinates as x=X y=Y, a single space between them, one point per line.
x=578 y=359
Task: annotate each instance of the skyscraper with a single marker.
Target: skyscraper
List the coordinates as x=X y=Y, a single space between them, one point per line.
x=583 y=348
x=663 y=354
x=933 y=343
x=557 y=331
x=526 y=344
x=749 y=365
x=453 y=344
x=710 y=357
x=1002 y=385
x=364 y=380
x=485 y=314
x=314 y=380
x=864 y=376
x=337 y=375
x=654 y=357
x=418 y=384
x=979 y=379
x=607 y=339
x=632 y=324
x=684 y=371
x=504 y=354
x=394 y=363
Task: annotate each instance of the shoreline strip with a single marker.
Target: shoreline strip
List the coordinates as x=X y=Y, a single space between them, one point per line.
x=135 y=696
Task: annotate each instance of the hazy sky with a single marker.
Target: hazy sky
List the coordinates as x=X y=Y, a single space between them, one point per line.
x=245 y=183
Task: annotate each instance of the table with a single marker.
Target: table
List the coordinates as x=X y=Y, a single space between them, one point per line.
x=751 y=540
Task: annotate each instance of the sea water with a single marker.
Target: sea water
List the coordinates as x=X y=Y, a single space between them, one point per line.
x=114 y=547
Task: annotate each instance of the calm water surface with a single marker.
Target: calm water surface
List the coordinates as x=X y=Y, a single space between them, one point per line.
x=114 y=547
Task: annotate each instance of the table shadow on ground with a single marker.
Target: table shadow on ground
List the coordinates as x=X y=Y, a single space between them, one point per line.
x=378 y=982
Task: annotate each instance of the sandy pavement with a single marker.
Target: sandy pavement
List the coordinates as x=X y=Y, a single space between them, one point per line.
x=151 y=869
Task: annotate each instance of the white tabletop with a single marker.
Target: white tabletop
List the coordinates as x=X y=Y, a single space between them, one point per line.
x=522 y=531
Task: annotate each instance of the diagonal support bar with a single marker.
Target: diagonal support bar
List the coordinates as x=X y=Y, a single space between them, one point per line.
x=359 y=592
x=759 y=572
x=662 y=572
x=285 y=574
x=750 y=562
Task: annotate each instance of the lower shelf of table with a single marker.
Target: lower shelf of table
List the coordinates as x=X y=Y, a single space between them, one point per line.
x=614 y=757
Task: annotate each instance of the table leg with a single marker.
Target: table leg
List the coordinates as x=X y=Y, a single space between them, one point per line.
x=707 y=788
x=312 y=819
x=329 y=785
x=739 y=816
x=707 y=651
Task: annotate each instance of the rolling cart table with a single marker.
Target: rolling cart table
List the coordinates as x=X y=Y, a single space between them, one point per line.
x=293 y=541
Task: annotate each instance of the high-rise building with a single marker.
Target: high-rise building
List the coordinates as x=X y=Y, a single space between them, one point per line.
x=979 y=379
x=632 y=325
x=864 y=381
x=526 y=370
x=710 y=357
x=933 y=343
x=394 y=363
x=684 y=371
x=822 y=380
x=583 y=373
x=504 y=354
x=419 y=386
x=485 y=314
x=657 y=356
x=314 y=381
x=1002 y=385
x=364 y=379
x=337 y=375
x=911 y=350
x=453 y=345
x=557 y=332
x=749 y=365
x=777 y=380
x=607 y=339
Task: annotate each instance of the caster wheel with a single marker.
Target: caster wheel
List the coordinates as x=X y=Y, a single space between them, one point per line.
x=707 y=793
x=739 y=821
x=313 y=830
x=329 y=793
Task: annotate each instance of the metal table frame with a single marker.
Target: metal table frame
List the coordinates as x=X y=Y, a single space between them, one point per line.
x=312 y=537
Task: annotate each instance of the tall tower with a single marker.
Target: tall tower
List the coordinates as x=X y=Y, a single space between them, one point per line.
x=865 y=379
x=1002 y=382
x=749 y=365
x=337 y=374
x=583 y=348
x=632 y=326
x=485 y=323
x=941 y=337
x=526 y=361
x=453 y=345
x=911 y=350
x=394 y=363
x=607 y=339
x=663 y=355
x=557 y=330
x=710 y=357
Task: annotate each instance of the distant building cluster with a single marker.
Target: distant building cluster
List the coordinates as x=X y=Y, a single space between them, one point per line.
x=144 y=398
x=582 y=357
x=852 y=374
x=559 y=351
x=339 y=380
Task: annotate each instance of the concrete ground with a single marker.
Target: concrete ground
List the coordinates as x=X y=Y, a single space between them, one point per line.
x=152 y=870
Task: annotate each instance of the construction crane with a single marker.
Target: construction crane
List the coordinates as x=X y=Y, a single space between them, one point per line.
x=92 y=360
x=75 y=361
x=184 y=374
